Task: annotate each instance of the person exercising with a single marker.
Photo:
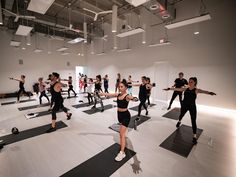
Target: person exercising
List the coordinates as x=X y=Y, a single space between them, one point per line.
x=21 y=87
x=189 y=103
x=57 y=101
x=123 y=114
x=179 y=83
x=42 y=90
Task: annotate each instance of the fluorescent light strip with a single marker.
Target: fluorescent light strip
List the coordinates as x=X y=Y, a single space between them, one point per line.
x=124 y=50
x=23 y=30
x=76 y=40
x=189 y=21
x=130 y=32
x=159 y=44
x=62 y=49
x=40 y=6
x=15 y=43
x=65 y=53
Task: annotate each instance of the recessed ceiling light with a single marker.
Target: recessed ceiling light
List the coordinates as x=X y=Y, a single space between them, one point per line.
x=23 y=48
x=154 y=6
x=196 y=32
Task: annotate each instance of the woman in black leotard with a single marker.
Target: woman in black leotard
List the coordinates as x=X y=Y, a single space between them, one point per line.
x=117 y=82
x=123 y=114
x=21 y=87
x=189 y=104
x=57 y=101
x=143 y=87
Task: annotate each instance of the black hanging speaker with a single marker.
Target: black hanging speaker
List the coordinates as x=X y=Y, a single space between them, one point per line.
x=14 y=130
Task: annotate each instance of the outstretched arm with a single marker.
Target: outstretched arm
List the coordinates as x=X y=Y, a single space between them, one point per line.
x=175 y=89
x=109 y=94
x=205 y=92
x=15 y=79
x=134 y=85
x=131 y=98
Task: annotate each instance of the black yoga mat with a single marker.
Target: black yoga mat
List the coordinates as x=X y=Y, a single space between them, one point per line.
x=21 y=101
x=116 y=127
x=180 y=141
x=173 y=114
x=82 y=105
x=135 y=108
x=101 y=165
x=33 y=107
x=95 y=110
x=25 y=134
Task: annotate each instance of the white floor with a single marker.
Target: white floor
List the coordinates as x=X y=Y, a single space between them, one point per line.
x=51 y=155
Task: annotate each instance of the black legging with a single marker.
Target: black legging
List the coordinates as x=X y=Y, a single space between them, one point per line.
x=71 y=89
x=148 y=99
x=20 y=91
x=142 y=103
x=193 y=114
x=58 y=104
x=90 y=97
x=43 y=93
x=106 y=89
x=175 y=94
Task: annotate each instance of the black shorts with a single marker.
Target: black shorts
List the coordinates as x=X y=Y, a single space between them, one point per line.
x=124 y=117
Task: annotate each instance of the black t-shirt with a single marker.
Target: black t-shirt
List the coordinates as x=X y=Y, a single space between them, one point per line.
x=180 y=82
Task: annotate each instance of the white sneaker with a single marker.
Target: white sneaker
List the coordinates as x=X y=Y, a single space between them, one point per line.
x=120 y=156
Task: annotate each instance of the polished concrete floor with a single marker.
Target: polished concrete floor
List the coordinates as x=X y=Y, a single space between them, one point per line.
x=51 y=155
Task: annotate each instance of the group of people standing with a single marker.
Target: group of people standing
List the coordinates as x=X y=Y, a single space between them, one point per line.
x=123 y=93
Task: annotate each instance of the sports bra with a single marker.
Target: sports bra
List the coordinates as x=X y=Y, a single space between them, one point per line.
x=122 y=103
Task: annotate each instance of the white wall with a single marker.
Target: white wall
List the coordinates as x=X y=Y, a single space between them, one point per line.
x=35 y=64
x=210 y=56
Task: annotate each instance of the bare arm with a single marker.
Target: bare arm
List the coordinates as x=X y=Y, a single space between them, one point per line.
x=109 y=94
x=131 y=98
x=16 y=79
x=205 y=92
x=136 y=85
x=175 y=89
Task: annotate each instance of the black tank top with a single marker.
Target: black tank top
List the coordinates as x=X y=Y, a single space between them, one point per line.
x=190 y=96
x=21 y=85
x=122 y=103
x=142 y=91
x=98 y=86
x=69 y=82
x=129 y=86
x=55 y=95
